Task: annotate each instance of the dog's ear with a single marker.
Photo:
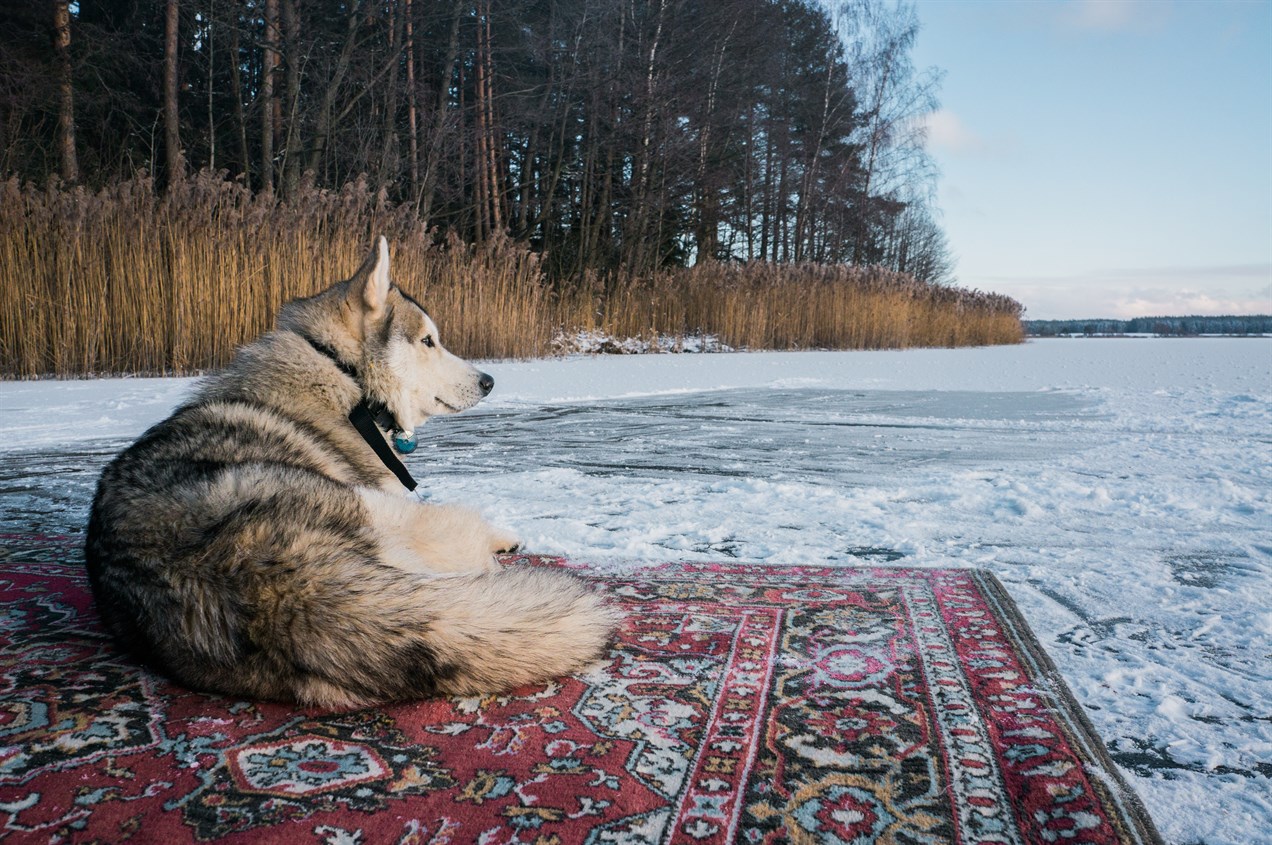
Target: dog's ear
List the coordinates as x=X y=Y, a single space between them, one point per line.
x=370 y=288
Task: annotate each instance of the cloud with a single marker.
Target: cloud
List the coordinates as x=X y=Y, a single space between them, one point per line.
x=1140 y=292
x=1110 y=16
x=1164 y=302
x=946 y=131
x=1255 y=272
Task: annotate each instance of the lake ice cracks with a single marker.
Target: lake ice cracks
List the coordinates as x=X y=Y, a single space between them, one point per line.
x=1121 y=489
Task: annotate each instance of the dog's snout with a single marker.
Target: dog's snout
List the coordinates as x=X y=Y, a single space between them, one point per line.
x=486 y=383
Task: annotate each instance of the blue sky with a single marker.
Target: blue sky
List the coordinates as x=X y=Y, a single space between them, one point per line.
x=1106 y=158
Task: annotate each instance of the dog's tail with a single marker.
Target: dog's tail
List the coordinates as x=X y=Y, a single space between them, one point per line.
x=387 y=635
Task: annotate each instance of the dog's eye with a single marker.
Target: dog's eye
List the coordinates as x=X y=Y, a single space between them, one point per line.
x=428 y=341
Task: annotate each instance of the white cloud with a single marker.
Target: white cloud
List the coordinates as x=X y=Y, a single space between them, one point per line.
x=1158 y=302
x=1140 y=292
x=946 y=131
x=1115 y=15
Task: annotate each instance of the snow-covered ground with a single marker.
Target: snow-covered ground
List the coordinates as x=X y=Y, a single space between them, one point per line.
x=1120 y=488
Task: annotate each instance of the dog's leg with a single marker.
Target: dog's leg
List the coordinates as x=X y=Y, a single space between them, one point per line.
x=434 y=538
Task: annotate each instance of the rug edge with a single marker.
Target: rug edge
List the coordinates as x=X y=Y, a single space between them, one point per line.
x=1137 y=812
x=1134 y=810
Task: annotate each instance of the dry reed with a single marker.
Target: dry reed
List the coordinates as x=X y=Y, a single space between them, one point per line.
x=125 y=281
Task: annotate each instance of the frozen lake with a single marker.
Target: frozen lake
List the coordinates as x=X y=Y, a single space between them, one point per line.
x=1121 y=490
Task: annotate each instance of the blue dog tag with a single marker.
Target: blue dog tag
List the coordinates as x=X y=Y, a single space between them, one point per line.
x=404 y=442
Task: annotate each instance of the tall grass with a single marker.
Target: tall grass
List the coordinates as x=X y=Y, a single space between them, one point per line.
x=125 y=281
x=775 y=306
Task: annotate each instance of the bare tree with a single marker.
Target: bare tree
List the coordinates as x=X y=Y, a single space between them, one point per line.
x=269 y=103
x=236 y=93
x=210 y=48
x=893 y=99
x=336 y=78
x=292 y=59
x=441 y=106
x=610 y=135
x=387 y=169
x=66 y=92
x=174 y=167
x=412 y=116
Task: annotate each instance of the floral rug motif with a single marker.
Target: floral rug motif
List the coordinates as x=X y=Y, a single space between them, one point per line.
x=752 y=704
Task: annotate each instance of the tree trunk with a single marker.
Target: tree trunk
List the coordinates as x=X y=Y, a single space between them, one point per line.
x=637 y=246
x=291 y=154
x=461 y=162
x=388 y=151
x=411 y=115
x=494 y=179
x=174 y=168
x=748 y=186
x=707 y=236
x=781 y=246
x=429 y=182
x=211 y=84
x=269 y=62
x=529 y=152
x=481 y=204
x=587 y=200
x=240 y=118
x=66 y=92
x=766 y=212
x=323 y=128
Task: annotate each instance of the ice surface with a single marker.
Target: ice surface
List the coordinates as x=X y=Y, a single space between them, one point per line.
x=1121 y=489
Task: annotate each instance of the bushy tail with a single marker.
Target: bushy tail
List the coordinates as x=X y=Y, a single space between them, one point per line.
x=388 y=635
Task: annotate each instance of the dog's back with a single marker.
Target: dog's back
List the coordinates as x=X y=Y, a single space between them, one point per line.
x=245 y=546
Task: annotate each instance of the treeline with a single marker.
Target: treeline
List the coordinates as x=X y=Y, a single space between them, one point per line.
x=128 y=280
x=1257 y=324
x=600 y=134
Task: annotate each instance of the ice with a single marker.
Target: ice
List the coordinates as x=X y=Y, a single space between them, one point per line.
x=1120 y=488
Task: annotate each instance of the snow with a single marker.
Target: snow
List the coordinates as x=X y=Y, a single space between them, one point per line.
x=1120 y=488
x=600 y=343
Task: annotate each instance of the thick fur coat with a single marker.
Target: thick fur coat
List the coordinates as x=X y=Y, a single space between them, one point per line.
x=253 y=544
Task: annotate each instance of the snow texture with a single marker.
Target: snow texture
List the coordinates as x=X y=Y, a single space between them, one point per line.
x=1120 y=488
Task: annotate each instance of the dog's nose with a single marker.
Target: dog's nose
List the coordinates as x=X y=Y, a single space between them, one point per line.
x=486 y=383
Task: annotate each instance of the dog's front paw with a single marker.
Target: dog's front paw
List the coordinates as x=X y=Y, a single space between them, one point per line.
x=504 y=542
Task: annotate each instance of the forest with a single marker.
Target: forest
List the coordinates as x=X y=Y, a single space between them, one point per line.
x=612 y=144
x=1250 y=324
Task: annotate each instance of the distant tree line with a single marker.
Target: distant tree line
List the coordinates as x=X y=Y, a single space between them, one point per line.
x=607 y=134
x=1165 y=326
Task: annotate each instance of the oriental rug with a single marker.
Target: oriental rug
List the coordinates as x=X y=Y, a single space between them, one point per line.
x=738 y=704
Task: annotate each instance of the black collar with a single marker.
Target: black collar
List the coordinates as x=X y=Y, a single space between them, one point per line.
x=370 y=418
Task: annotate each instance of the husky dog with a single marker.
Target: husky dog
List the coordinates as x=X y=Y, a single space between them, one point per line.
x=259 y=542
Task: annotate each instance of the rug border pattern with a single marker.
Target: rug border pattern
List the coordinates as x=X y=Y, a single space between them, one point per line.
x=969 y=725
x=1069 y=712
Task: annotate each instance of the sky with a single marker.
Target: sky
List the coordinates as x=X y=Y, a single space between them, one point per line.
x=1106 y=158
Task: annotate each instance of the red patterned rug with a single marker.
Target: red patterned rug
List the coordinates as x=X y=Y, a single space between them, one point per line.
x=739 y=704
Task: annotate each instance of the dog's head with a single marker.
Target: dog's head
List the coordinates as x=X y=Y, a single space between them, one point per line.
x=400 y=358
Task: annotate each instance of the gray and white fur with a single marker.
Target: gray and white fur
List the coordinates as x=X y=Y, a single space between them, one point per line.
x=252 y=544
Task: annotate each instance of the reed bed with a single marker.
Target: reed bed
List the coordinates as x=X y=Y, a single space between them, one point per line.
x=123 y=280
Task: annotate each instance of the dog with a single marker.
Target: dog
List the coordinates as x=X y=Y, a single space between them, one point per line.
x=259 y=543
